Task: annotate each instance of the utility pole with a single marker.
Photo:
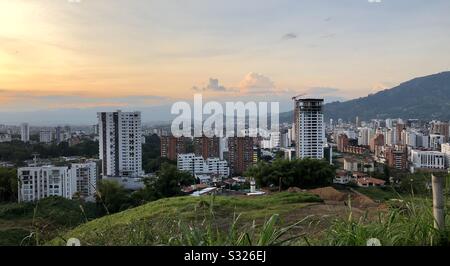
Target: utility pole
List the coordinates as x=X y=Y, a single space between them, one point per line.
x=438 y=202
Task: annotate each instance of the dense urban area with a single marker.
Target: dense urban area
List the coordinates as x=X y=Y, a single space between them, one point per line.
x=53 y=179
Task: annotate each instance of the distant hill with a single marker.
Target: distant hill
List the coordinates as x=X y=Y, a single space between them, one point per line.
x=422 y=98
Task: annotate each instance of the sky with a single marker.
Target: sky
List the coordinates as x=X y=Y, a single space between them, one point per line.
x=133 y=54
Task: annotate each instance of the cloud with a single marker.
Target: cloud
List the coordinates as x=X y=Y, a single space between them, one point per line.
x=256 y=83
x=213 y=85
x=289 y=36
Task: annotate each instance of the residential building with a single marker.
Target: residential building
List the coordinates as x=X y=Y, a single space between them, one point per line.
x=207 y=147
x=85 y=175
x=435 y=141
x=441 y=128
x=396 y=157
x=310 y=129
x=35 y=183
x=5 y=137
x=198 y=165
x=342 y=142
x=25 y=132
x=120 y=147
x=45 y=136
x=172 y=146
x=240 y=154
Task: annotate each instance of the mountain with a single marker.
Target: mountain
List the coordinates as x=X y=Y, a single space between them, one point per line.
x=422 y=98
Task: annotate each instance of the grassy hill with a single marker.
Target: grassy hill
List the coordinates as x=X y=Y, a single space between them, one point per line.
x=165 y=221
x=287 y=218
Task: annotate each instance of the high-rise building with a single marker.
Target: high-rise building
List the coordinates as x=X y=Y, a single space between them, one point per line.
x=342 y=142
x=310 y=130
x=240 y=154
x=35 y=183
x=58 y=134
x=440 y=128
x=120 y=148
x=377 y=144
x=85 y=175
x=207 y=147
x=172 y=146
x=25 y=132
x=396 y=157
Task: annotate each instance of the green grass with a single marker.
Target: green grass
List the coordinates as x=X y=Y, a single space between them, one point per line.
x=36 y=223
x=165 y=221
x=408 y=222
x=379 y=193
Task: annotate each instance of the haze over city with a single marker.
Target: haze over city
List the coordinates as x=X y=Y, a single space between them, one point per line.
x=78 y=57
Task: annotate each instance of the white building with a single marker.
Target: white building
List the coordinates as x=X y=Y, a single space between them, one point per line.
x=365 y=134
x=120 y=140
x=445 y=149
x=436 y=141
x=45 y=136
x=428 y=159
x=5 y=137
x=310 y=129
x=24 y=132
x=85 y=176
x=197 y=165
x=35 y=183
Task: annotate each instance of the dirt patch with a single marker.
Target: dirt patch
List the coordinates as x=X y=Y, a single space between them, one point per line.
x=329 y=193
x=294 y=189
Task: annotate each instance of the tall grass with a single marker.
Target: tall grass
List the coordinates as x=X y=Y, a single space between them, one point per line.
x=409 y=222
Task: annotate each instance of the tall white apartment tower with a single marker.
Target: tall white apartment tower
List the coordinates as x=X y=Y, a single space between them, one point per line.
x=120 y=137
x=24 y=132
x=310 y=130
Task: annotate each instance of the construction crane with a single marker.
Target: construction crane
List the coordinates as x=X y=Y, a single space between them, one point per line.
x=298 y=96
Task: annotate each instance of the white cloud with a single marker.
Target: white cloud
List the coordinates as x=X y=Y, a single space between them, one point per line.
x=256 y=83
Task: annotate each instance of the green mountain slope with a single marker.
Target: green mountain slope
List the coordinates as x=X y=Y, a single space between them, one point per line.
x=422 y=98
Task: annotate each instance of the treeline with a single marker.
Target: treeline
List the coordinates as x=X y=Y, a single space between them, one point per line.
x=305 y=173
x=18 y=151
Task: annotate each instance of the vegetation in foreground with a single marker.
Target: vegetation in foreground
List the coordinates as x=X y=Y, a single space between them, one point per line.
x=206 y=221
x=37 y=223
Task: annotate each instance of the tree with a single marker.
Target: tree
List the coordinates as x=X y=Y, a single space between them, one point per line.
x=8 y=184
x=300 y=173
x=170 y=180
x=112 y=196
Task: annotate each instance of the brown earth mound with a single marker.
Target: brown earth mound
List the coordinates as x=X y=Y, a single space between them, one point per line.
x=329 y=193
x=294 y=189
x=362 y=201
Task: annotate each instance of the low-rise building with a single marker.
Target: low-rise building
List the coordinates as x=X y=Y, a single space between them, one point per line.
x=425 y=159
x=370 y=182
x=197 y=165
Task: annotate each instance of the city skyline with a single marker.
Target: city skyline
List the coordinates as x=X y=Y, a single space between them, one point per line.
x=67 y=55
